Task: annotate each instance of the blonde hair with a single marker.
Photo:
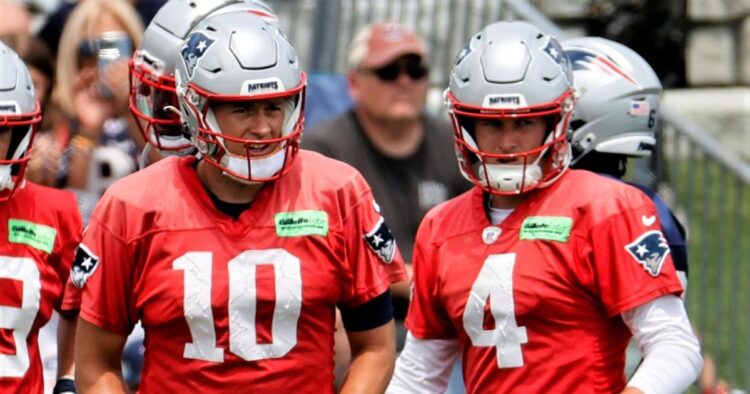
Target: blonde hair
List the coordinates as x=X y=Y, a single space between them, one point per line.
x=80 y=26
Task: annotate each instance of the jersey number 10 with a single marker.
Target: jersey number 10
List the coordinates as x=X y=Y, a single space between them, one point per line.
x=241 y=271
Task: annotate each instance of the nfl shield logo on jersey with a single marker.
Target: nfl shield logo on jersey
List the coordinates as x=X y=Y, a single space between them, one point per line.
x=84 y=265
x=649 y=250
x=381 y=241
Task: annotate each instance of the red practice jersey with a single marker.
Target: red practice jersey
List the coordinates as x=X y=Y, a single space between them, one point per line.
x=535 y=302
x=40 y=228
x=235 y=306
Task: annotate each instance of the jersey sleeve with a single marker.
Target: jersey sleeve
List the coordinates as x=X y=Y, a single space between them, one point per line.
x=426 y=318
x=71 y=227
x=103 y=270
x=372 y=256
x=629 y=259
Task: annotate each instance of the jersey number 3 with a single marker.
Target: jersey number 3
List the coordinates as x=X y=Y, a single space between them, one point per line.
x=494 y=285
x=241 y=271
x=20 y=320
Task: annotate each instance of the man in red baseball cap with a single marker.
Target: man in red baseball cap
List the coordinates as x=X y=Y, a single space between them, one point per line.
x=389 y=138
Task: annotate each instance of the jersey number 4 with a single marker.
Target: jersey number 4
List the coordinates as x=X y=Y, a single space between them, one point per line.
x=494 y=285
x=241 y=271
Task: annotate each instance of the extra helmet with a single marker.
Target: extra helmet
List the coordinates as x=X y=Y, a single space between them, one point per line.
x=511 y=70
x=239 y=57
x=152 y=86
x=20 y=116
x=619 y=99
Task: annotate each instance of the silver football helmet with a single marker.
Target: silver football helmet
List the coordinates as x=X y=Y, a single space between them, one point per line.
x=152 y=95
x=240 y=57
x=20 y=116
x=619 y=99
x=511 y=70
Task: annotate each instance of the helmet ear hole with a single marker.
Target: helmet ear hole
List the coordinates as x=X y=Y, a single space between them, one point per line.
x=577 y=124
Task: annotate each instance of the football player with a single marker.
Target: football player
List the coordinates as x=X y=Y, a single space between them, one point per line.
x=538 y=276
x=616 y=118
x=153 y=101
x=235 y=261
x=40 y=228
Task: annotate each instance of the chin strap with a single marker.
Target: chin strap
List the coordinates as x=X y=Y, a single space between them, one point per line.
x=260 y=168
x=6 y=179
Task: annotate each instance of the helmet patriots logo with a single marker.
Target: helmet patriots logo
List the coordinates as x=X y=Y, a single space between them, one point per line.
x=583 y=59
x=649 y=250
x=194 y=49
x=555 y=51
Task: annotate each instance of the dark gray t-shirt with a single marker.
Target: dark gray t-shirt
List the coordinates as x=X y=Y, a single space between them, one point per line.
x=405 y=188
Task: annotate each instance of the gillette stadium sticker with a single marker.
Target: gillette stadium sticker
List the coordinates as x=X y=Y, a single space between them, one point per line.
x=37 y=236
x=300 y=223
x=551 y=228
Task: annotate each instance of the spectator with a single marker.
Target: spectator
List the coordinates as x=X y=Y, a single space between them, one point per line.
x=52 y=30
x=92 y=91
x=15 y=25
x=389 y=138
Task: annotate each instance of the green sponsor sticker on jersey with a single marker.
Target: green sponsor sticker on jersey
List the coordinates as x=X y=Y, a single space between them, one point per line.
x=552 y=228
x=35 y=235
x=299 y=223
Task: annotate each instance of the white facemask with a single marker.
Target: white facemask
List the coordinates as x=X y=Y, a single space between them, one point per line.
x=508 y=177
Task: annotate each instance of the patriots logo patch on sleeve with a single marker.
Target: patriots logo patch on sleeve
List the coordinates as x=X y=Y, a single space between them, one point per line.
x=380 y=240
x=650 y=250
x=194 y=49
x=83 y=266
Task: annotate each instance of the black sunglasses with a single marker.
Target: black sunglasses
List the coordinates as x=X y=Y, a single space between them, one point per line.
x=391 y=72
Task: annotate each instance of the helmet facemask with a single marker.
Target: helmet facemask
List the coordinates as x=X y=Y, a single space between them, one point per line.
x=22 y=129
x=153 y=102
x=248 y=167
x=539 y=167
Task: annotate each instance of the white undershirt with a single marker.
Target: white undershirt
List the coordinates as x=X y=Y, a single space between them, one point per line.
x=497 y=215
x=672 y=358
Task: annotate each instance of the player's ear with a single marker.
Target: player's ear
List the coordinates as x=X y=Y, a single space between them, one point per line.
x=352 y=81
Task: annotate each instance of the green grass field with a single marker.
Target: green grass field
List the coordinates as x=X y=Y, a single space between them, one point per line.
x=715 y=207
